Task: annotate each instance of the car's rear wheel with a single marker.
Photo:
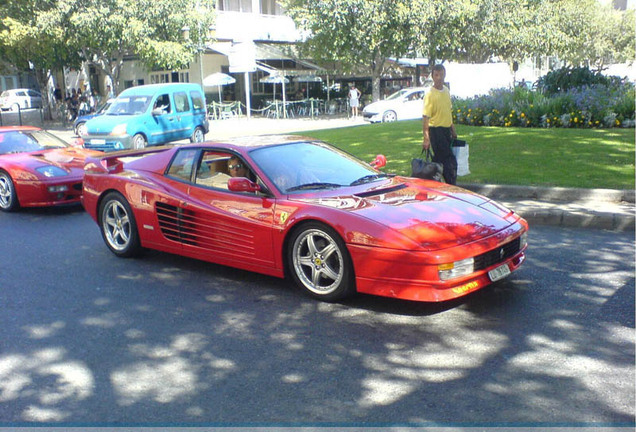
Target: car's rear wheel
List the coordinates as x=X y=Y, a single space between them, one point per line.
x=139 y=142
x=198 y=135
x=319 y=262
x=8 y=196
x=389 y=116
x=118 y=226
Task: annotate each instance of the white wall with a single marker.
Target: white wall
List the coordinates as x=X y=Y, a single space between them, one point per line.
x=468 y=80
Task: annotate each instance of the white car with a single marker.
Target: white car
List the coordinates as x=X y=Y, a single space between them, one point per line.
x=405 y=104
x=20 y=98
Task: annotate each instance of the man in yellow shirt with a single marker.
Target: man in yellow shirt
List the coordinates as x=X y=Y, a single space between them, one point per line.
x=437 y=124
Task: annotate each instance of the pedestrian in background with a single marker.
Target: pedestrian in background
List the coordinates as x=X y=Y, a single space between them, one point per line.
x=354 y=100
x=437 y=124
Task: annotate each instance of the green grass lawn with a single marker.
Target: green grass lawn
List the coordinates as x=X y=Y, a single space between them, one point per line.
x=585 y=158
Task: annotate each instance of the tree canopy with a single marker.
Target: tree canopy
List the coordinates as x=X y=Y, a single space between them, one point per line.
x=55 y=33
x=364 y=34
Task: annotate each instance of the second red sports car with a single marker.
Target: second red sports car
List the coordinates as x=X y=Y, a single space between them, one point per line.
x=38 y=169
x=291 y=206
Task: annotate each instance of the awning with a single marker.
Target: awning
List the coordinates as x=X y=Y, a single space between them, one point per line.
x=272 y=60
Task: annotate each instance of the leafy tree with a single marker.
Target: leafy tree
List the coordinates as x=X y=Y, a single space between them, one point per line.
x=27 y=43
x=360 y=35
x=104 y=32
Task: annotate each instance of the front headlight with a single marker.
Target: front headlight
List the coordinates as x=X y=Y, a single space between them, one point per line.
x=51 y=171
x=456 y=269
x=119 y=129
x=523 y=240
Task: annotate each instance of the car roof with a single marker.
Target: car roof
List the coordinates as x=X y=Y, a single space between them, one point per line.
x=151 y=89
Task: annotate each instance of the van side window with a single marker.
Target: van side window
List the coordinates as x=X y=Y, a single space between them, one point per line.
x=181 y=102
x=163 y=103
x=197 y=100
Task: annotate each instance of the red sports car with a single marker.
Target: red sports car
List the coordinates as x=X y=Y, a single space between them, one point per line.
x=293 y=206
x=38 y=169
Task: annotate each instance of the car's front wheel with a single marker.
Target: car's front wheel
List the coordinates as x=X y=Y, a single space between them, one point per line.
x=389 y=116
x=139 y=142
x=8 y=196
x=118 y=226
x=198 y=135
x=319 y=262
x=80 y=129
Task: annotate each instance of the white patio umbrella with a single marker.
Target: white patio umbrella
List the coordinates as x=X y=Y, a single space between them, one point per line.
x=218 y=80
x=277 y=79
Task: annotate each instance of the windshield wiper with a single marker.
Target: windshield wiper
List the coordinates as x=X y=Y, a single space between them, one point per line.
x=368 y=178
x=317 y=185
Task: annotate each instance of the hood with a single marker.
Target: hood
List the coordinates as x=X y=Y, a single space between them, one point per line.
x=70 y=159
x=433 y=215
x=105 y=123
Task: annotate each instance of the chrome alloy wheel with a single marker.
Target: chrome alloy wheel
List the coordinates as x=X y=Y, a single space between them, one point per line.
x=116 y=225
x=7 y=193
x=318 y=262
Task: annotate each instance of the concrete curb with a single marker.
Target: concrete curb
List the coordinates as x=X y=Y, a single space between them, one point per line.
x=552 y=194
x=606 y=209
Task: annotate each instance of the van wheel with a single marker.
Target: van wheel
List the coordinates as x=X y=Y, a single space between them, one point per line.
x=198 y=135
x=139 y=142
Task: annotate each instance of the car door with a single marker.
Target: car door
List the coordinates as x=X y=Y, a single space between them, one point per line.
x=215 y=224
x=164 y=126
x=413 y=105
x=184 y=118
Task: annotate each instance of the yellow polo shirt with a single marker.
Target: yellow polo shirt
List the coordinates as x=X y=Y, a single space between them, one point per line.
x=438 y=108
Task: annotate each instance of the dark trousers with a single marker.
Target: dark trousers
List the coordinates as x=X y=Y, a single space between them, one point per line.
x=441 y=142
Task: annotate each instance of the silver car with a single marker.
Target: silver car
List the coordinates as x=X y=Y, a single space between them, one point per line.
x=20 y=98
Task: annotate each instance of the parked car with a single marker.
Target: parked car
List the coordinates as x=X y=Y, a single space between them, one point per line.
x=20 y=98
x=39 y=169
x=304 y=209
x=149 y=115
x=405 y=104
x=79 y=126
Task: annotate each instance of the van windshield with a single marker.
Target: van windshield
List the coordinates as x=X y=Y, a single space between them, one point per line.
x=129 y=105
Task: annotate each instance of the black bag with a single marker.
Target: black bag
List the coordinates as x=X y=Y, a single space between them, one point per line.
x=426 y=168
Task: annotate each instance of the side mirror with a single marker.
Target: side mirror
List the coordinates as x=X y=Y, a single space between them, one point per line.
x=379 y=161
x=242 y=184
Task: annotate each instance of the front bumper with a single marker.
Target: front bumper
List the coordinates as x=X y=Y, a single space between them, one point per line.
x=414 y=275
x=107 y=143
x=372 y=117
x=49 y=193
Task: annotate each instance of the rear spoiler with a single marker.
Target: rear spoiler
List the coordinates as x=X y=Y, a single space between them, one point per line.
x=111 y=163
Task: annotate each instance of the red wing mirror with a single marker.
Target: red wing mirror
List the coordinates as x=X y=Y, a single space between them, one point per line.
x=379 y=161
x=242 y=184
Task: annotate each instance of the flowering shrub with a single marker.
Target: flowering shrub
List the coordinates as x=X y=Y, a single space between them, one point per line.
x=589 y=106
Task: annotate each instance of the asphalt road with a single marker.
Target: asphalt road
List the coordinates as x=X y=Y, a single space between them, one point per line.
x=90 y=338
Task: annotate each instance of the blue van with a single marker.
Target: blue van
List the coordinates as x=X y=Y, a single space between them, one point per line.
x=149 y=115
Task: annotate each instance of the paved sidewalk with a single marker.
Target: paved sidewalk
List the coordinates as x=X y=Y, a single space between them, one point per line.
x=568 y=207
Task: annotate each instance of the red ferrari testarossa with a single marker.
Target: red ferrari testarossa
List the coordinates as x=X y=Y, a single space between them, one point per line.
x=297 y=207
x=38 y=169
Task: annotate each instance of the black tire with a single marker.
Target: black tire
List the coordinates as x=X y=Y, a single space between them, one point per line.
x=78 y=129
x=8 y=196
x=139 y=142
x=118 y=226
x=319 y=263
x=198 y=135
x=389 y=117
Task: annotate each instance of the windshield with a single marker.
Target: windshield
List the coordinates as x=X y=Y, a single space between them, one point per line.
x=28 y=141
x=311 y=166
x=129 y=105
x=397 y=95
